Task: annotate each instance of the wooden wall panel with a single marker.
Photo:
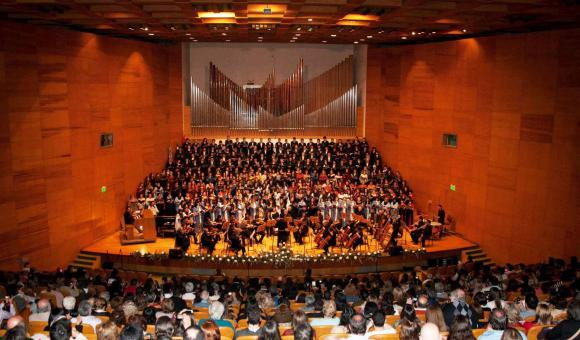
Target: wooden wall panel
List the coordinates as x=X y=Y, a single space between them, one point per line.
x=513 y=101
x=59 y=90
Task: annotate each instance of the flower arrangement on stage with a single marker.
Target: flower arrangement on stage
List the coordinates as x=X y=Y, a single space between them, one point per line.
x=283 y=258
x=415 y=252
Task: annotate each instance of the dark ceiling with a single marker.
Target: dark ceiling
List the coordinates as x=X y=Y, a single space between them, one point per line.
x=310 y=21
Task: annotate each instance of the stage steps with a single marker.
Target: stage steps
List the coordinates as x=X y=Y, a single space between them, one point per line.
x=87 y=261
x=477 y=255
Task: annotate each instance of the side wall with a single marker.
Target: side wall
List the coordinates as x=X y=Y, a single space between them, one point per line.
x=59 y=91
x=514 y=102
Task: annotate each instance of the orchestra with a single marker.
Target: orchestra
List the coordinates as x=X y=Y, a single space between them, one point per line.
x=338 y=195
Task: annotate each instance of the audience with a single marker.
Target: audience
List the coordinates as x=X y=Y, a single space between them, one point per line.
x=372 y=298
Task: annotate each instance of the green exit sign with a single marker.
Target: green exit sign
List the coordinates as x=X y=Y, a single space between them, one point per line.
x=452 y=187
x=103 y=189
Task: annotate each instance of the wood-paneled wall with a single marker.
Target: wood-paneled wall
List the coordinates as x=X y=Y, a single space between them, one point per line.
x=59 y=91
x=514 y=101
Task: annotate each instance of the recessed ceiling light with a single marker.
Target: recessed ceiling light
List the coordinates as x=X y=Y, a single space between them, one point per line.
x=194 y=40
x=404 y=38
x=464 y=30
x=356 y=42
x=362 y=40
x=151 y=33
x=187 y=34
x=309 y=19
x=433 y=32
x=227 y=40
x=324 y=41
x=131 y=28
x=224 y=33
x=381 y=32
x=333 y=35
x=299 y=28
x=292 y=41
x=145 y=28
x=413 y=33
x=369 y=36
x=298 y=34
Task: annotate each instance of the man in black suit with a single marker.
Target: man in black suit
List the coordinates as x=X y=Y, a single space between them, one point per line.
x=281 y=225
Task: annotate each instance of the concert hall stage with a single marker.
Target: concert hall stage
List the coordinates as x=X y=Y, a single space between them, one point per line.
x=267 y=260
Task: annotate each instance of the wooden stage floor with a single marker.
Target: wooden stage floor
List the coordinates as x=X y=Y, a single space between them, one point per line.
x=112 y=245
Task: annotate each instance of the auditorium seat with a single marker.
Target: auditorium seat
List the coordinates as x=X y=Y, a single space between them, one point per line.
x=535 y=331
x=227 y=332
x=331 y=336
x=36 y=326
x=247 y=337
x=391 y=319
x=322 y=330
x=385 y=337
x=477 y=332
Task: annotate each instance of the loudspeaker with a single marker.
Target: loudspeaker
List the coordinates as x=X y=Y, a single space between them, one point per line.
x=176 y=253
x=395 y=250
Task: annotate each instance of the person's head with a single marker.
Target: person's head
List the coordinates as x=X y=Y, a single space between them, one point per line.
x=69 y=303
x=378 y=319
x=43 y=306
x=107 y=331
x=513 y=313
x=357 y=325
x=498 y=319
x=347 y=313
x=457 y=295
x=254 y=317
x=574 y=310
x=204 y=295
x=270 y=331
x=15 y=321
x=164 y=326
x=303 y=332
x=543 y=314
x=16 y=333
x=531 y=301
x=408 y=312
x=189 y=287
x=129 y=309
x=210 y=330
x=430 y=331
x=131 y=333
x=511 y=334
x=329 y=309
x=299 y=318
x=168 y=306
x=60 y=330
x=370 y=309
x=100 y=304
x=423 y=301
x=461 y=329
x=193 y=333
x=84 y=308
x=216 y=310
x=409 y=330
x=434 y=314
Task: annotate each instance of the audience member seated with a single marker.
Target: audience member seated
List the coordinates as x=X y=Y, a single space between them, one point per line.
x=434 y=314
x=543 y=317
x=410 y=330
x=569 y=328
x=216 y=311
x=357 y=327
x=498 y=323
x=85 y=317
x=254 y=318
x=42 y=311
x=329 y=315
x=461 y=329
x=379 y=326
x=458 y=306
x=430 y=331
